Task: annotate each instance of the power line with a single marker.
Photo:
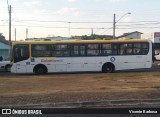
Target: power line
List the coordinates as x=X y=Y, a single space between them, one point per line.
x=83 y=22
x=144 y=23
x=57 y=21
x=106 y=29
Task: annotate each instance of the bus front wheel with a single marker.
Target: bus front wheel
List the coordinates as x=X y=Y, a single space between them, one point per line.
x=7 y=67
x=40 y=69
x=108 y=68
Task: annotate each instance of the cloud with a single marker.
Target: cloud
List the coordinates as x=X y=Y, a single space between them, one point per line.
x=116 y=1
x=68 y=11
x=127 y=19
x=14 y=0
x=30 y=3
x=43 y=11
x=72 y=0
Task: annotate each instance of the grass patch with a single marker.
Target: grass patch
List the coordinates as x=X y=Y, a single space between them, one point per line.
x=85 y=82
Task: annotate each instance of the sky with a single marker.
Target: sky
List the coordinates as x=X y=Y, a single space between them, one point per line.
x=46 y=18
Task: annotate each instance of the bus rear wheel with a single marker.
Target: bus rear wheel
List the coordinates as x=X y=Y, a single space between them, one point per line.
x=40 y=69
x=108 y=68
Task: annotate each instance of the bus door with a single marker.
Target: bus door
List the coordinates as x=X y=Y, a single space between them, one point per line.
x=21 y=54
x=82 y=60
x=77 y=59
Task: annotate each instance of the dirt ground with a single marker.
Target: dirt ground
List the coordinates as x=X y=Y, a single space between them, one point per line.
x=78 y=87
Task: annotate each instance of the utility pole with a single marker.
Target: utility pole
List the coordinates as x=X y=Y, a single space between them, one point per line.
x=26 y=33
x=114 y=25
x=15 y=34
x=92 y=32
x=69 y=29
x=10 y=9
x=114 y=22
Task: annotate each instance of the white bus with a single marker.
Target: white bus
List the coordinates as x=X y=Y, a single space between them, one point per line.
x=41 y=57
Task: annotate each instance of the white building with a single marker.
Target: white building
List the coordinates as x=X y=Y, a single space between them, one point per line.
x=131 y=35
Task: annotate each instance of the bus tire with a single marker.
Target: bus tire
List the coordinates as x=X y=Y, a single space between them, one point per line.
x=7 y=67
x=108 y=68
x=40 y=69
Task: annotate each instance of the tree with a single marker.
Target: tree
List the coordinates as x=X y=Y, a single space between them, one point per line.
x=2 y=39
x=94 y=36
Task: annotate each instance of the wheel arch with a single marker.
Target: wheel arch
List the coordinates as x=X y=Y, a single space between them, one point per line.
x=40 y=65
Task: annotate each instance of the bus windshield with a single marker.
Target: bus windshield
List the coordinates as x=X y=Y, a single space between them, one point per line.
x=21 y=52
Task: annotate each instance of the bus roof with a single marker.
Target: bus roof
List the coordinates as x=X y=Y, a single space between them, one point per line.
x=79 y=41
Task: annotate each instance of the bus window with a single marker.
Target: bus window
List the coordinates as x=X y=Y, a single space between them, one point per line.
x=123 y=49
x=144 y=48
x=106 y=49
x=129 y=49
x=60 y=50
x=136 y=48
x=114 y=49
x=106 y=52
x=93 y=46
x=21 y=52
x=92 y=50
x=40 y=50
x=106 y=46
x=60 y=47
x=78 y=50
x=75 y=50
x=82 y=51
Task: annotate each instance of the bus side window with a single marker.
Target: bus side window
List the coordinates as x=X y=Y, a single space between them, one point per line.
x=92 y=49
x=82 y=50
x=106 y=49
x=129 y=51
x=144 y=48
x=75 y=50
x=123 y=48
x=121 y=52
x=137 y=48
x=136 y=51
x=114 y=49
x=41 y=50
